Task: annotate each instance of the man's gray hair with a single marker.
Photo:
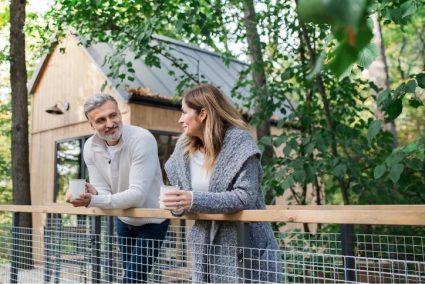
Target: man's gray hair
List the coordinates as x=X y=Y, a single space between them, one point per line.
x=97 y=101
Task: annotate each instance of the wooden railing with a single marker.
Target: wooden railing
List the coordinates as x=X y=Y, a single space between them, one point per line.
x=326 y=214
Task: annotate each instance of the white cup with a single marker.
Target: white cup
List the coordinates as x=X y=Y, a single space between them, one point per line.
x=163 y=190
x=76 y=187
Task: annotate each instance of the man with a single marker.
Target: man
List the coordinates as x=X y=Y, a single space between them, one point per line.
x=124 y=172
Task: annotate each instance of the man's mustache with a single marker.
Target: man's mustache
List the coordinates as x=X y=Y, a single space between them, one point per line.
x=113 y=127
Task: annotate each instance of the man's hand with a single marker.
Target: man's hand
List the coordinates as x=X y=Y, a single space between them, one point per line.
x=90 y=189
x=83 y=200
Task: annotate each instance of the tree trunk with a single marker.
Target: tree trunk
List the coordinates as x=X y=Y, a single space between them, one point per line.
x=259 y=79
x=378 y=72
x=20 y=145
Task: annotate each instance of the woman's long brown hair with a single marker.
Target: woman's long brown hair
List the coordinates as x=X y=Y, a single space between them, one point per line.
x=221 y=114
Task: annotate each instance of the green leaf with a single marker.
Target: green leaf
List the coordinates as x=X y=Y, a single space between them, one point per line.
x=289 y=181
x=346 y=73
x=266 y=140
x=367 y=55
x=318 y=66
x=394 y=109
x=373 y=130
x=319 y=15
x=415 y=164
x=279 y=140
x=340 y=170
x=420 y=78
x=396 y=15
x=379 y=171
x=342 y=58
x=383 y=98
x=413 y=102
x=395 y=157
x=395 y=172
x=299 y=176
x=411 y=86
x=401 y=89
x=297 y=163
x=347 y=12
x=408 y=8
x=410 y=148
x=309 y=148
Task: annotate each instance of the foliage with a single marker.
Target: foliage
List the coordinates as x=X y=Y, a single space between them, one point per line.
x=5 y=236
x=32 y=53
x=5 y=119
x=5 y=158
x=405 y=48
x=130 y=25
x=349 y=26
x=334 y=139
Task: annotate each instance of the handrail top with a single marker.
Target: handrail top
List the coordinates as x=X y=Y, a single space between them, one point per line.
x=324 y=214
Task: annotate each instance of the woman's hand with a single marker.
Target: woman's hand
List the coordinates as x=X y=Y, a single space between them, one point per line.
x=178 y=199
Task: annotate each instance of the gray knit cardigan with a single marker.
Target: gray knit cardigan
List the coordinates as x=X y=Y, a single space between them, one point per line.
x=235 y=184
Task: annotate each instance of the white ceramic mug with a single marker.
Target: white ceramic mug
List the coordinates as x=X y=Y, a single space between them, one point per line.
x=76 y=187
x=163 y=190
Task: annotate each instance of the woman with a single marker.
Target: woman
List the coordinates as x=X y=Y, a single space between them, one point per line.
x=217 y=163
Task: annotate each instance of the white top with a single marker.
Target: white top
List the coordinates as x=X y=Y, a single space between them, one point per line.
x=131 y=178
x=199 y=178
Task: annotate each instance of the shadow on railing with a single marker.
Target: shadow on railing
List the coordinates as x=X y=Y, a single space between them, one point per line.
x=78 y=245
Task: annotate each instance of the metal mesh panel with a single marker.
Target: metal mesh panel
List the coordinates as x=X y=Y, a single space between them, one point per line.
x=68 y=250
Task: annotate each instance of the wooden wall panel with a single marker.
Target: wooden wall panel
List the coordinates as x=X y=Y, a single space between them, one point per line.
x=155 y=118
x=43 y=159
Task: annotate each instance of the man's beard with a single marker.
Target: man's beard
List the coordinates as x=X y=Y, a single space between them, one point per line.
x=112 y=137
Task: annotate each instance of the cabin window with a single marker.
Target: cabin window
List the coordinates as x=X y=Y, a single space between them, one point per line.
x=166 y=143
x=69 y=165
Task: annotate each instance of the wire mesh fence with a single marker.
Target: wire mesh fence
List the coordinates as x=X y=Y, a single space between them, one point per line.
x=81 y=249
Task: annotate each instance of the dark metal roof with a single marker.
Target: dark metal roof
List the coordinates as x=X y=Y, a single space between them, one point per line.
x=205 y=64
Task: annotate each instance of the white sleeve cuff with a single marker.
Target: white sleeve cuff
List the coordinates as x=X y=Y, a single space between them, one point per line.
x=99 y=200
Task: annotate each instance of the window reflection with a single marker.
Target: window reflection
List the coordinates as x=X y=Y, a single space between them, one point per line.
x=166 y=143
x=69 y=163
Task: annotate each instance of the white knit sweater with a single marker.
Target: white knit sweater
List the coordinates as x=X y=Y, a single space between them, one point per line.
x=131 y=178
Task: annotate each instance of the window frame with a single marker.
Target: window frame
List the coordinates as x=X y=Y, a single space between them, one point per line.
x=82 y=170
